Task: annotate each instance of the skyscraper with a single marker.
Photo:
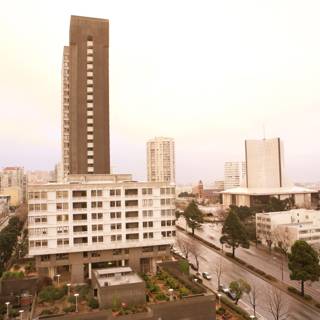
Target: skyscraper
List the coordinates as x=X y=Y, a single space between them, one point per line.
x=85 y=96
x=234 y=174
x=265 y=165
x=161 y=160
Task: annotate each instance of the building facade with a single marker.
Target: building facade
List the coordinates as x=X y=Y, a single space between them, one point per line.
x=286 y=227
x=234 y=174
x=92 y=222
x=13 y=182
x=161 y=160
x=85 y=98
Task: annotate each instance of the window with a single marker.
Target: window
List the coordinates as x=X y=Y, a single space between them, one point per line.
x=97 y=227
x=97 y=239
x=38 y=219
x=148 y=235
x=147 y=213
x=115 y=215
x=115 y=204
x=62 y=206
x=80 y=217
x=162 y=248
x=148 y=224
x=63 y=242
x=132 y=225
x=131 y=192
x=96 y=216
x=116 y=252
x=132 y=236
x=116 y=226
x=79 y=193
x=64 y=229
x=147 y=249
x=96 y=193
x=115 y=192
x=61 y=194
x=45 y=257
x=38 y=231
x=146 y=191
x=62 y=217
x=116 y=237
x=131 y=203
x=132 y=214
x=62 y=256
x=147 y=202
x=96 y=204
x=79 y=205
x=95 y=254
x=38 y=243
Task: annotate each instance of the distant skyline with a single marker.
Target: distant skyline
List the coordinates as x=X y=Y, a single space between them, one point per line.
x=209 y=74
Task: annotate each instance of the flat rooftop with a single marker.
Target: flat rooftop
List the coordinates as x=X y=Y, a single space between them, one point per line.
x=268 y=191
x=116 y=276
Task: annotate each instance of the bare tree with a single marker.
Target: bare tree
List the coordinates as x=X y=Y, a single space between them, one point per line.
x=253 y=296
x=194 y=250
x=184 y=247
x=277 y=305
x=218 y=271
x=282 y=239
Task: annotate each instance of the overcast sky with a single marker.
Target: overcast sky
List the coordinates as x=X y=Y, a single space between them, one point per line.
x=210 y=74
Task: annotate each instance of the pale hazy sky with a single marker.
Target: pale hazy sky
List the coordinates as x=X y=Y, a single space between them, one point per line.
x=207 y=73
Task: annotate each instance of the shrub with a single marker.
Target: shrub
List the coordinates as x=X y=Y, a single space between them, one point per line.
x=184 y=292
x=293 y=290
x=221 y=311
x=93 y=303
x=16 y=267
x=72 y=299
x=83 y=290
x=235 y=308
x=43 y=282
x=307 y=297
x=161 y=297
x=317 y=305
x=51 y=293
x=49 y=311
x=71 y=308
x=270 y=277
x=154 y=288
x=13 y=275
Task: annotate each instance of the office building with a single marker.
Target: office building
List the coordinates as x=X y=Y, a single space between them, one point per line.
x=234 y=174
x=98 y=221
x=286 y=227
x=265 y=178
x=161 y=160
x=85 y=98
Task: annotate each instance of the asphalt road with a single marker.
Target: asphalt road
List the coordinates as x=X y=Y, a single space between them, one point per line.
x=208 y=260
x=258 y=257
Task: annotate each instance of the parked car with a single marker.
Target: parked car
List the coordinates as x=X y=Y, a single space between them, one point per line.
x=206 y=275
x=223 y=289
x=232 y=295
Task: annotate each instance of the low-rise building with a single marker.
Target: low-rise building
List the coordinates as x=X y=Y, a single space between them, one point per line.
x=118 y=285
x=97 y=221
x=286 y=227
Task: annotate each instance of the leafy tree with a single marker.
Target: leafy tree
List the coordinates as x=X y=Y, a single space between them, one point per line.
x=243 y=212
x=239 y=287
x=303 y=263
x=234 y=233
x=193 y=216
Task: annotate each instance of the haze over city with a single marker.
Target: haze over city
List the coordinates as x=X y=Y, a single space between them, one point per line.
x=208 y=74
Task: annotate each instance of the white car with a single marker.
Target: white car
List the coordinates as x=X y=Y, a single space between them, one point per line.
x=206 y=275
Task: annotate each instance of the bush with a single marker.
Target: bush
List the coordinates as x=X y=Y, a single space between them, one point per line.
x=270 y=277
x=93 y=303
x=13 y=275
x=71 y=308
x=294 y=290
x=221 y=311
x=307 y=297
x=49 y=311
x=235 y=308
x=43 y=282
x=153 y=288
x=82 y=290
x=72 y=299
x=184 y=292
x=50 y=294
x=16 y=267
x=317 y=305
x=161 y=297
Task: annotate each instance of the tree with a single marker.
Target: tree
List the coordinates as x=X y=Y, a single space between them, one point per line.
x=243 y=212
x=277 y=305
x=218 y=272
x=239 y=287
x=253 y=296
x=303 y=263
x=282 y=239
x=234 y=233
x=194 y=250
x=193 y=216
x=184 y=247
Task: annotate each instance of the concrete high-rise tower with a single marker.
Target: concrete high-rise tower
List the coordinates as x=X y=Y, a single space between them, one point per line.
x=85 y=111
x=161 y=160
x=234 y=174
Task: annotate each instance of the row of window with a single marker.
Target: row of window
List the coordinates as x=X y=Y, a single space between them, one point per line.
x=99 y=239
x=64 y=194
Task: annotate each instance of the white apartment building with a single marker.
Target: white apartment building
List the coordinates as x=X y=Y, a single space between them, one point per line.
x=161 y=160
x=98 y=221
x=288 y=226
x=234 y=174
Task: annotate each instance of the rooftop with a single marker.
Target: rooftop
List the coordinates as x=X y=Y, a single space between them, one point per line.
x=268 y=191
x=116 y=276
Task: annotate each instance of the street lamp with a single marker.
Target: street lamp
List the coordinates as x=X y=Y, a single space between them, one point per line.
x=7 y=304
x=170 y=294
x=21 y=312
x=219 y=297
x=252 y=317
x=58 y=278
x=68 y=285
x=76 y=296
